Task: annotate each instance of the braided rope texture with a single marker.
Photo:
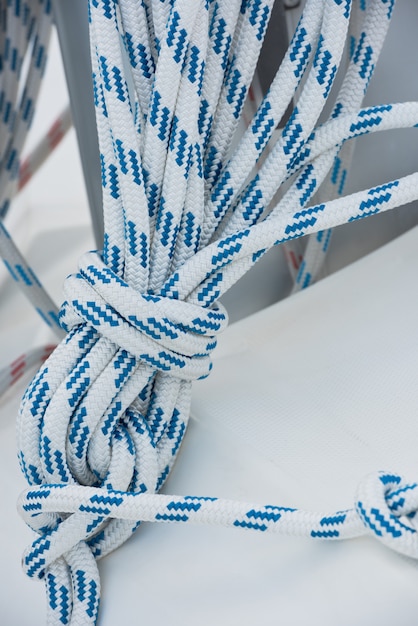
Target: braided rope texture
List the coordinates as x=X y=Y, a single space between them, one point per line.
x=366 y=35
x=101 y=424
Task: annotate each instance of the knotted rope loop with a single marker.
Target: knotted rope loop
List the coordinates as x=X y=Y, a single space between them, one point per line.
x=115 y=436
x=168 y=334
x=387 y=506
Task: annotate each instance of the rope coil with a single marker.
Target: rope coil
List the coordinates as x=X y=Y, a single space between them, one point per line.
x=101 y=423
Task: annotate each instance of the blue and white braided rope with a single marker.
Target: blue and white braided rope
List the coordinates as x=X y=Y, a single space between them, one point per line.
x=385 y=506
x=365 y=44
x=101 y=424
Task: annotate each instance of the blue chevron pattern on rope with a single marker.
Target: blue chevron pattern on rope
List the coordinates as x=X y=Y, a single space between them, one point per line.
x=292 y=134
x=259 y=16
x=326 y=68
x=252 y=202
x=299 y=52
x=60 y=599
x=264 y=124
x=236 y=91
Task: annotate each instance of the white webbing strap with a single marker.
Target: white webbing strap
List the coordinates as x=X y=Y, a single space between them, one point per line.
x=25 y=30
x=101 y=424
x=24 y=36
x=44 y=148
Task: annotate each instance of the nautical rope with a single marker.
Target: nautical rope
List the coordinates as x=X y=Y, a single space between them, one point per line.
x=369 y=29
x=101 y=423
x=382 y=502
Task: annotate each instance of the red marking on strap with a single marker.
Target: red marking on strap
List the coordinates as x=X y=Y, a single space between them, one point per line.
x=55 y=134
x=17 y=368
x=25 y=173
x=15 y=378
x=48 y=351
x=20 y=358
x=294 y=261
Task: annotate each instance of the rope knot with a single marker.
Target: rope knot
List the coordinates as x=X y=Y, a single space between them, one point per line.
x=121 y=421
x=387 y=506
x=169 y=335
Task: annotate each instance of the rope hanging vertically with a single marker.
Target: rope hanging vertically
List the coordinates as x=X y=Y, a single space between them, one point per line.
x=101 y=423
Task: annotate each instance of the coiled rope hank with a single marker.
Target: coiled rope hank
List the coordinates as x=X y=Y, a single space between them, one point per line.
x=101 y=423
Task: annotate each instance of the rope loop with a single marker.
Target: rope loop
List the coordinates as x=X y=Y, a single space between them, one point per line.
x=170 y=335
x=387 y=505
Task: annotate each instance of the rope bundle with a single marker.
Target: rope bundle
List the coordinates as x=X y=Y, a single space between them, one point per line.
x=101 y=423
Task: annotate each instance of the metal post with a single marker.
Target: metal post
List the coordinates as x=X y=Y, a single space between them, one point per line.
x=71 y=18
